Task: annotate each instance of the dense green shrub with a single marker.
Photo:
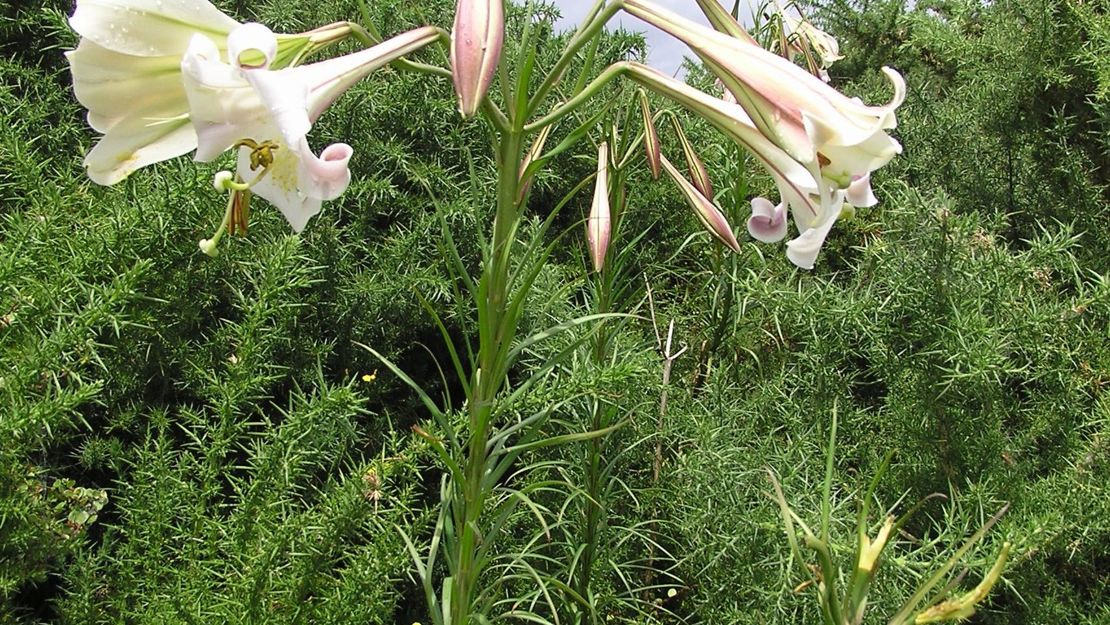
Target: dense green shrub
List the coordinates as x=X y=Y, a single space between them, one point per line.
x=189 y=439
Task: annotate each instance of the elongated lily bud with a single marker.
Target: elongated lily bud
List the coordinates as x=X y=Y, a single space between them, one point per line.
x=599 y=225
x=534 y=152
x=651 y=137
x=476 y=43
x=707 y=212
x=698 y=174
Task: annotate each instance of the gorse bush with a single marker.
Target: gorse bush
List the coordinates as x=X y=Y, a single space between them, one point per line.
x=190 y=439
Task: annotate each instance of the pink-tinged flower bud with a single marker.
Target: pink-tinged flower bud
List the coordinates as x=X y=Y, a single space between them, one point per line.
x=707 y=212
x=698 y=174
x=599 y=225
x=476 y=43
x=651 y=137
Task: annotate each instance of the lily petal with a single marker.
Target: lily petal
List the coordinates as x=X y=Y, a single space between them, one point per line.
x=114 y=86
x=145 y=28
x=299 y=181
x=803 y=250
x=325 y=177
x=135 y=143
x=859 y=193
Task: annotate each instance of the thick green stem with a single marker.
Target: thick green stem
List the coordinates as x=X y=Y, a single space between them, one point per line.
x=489 y=378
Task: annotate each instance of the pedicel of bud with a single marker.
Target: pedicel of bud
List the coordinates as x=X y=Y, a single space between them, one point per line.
x=476 y=42
x=651 y=137
x=963 y=607
x=706 y=211
x=698 y=174
x=599 y=225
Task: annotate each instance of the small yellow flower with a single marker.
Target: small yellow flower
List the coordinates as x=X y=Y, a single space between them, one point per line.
x=370 y=377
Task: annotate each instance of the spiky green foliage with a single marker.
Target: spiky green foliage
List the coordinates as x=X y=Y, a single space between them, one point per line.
x=189 y=439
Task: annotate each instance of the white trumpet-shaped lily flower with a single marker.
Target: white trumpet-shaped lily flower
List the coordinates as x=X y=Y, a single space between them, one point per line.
x=266 y=114
x=815 y=203
x=127 y=72
x=802 y=115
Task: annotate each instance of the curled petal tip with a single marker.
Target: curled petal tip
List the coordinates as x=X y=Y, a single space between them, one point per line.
x=768 y=221
x=859 y=193
x=251 y=46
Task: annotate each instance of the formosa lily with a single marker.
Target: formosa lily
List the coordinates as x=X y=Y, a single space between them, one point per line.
x=599 y=225
x=706 y=211
x=266 y=114
x=126 y=72
x=476 y=42
x=802 y=115
x=814 y=205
